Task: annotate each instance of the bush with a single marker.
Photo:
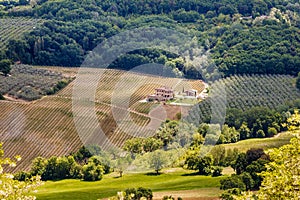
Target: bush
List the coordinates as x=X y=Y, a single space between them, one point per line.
x=271 y=132
x=22 y=176
x=137 y=194
x=228 y=194
x=92 y=172
x=2 y=97
x=168 y=198
x=260 y=134
x=217 y=171
x=233 y=181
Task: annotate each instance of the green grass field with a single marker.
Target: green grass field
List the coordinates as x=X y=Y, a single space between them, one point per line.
x=264 y=143
x=170 y=180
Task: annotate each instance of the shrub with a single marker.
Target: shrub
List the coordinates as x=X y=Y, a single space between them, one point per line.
x=271 y=132
x=137 y=194
x=92 y=172
x=233 y=181
x=228 y=194
x=260 y=134
x=168 y=198
x=217 y=171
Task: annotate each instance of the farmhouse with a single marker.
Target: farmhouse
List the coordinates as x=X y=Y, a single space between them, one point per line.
x=161 y=94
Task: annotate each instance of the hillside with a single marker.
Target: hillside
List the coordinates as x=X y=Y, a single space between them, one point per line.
x=45 y=127
x=276 y=92
x=253 y=37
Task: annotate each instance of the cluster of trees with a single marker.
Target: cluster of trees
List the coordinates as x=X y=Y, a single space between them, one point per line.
x=80 y=165
x=256 y=122
x=247 y=167
x=269 y=49
x=142 y=145
x=279 y=174
x=127 y=8
x=29 y=83
x=5 y=66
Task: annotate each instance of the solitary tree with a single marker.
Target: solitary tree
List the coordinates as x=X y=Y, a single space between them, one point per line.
x=157 y=160
x=5 y=66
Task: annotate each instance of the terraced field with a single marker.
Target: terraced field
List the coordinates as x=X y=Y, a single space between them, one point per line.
x=12 y=28
x=45 y=127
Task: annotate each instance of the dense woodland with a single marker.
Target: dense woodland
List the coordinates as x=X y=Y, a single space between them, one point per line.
x=243 y=37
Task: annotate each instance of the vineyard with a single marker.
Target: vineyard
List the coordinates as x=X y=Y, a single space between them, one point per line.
x=28 y=83
x=46 y=126
x=248 y=91
x=12 y=28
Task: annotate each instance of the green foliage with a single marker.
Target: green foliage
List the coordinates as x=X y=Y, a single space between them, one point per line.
x=90 y=168
x=82 y=155
x=167 y=132
x=5 y=66
x=194 y=161
x=298 y=81
x=231 y=193
x=281 y=179
x=2 y=97
x=234 y=181
x=247 y=180
x=219 y=155
x=238 y=45
x=56 y=168
x=11 y=188
x=247 y=166
x=272 y=132
x=240 y=163
x=228 y=135
x=134 y=146
x=157 y=160
x=121 y=164
x=255 y=100
x=29 y=83
x=216 y=171
x=137 y=194
x=92 y=171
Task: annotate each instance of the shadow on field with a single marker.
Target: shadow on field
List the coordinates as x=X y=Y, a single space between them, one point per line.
x=192 y=174
x=153 y=174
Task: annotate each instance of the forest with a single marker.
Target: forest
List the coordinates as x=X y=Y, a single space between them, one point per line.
x=260 y=37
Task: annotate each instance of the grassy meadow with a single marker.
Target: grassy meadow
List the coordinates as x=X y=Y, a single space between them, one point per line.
x=169 y=182
x=264 y=143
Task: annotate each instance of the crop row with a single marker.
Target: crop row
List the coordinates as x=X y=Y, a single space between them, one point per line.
x=28 y=83
x=247 y=91
x=13 y=28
